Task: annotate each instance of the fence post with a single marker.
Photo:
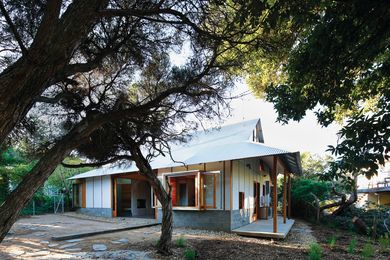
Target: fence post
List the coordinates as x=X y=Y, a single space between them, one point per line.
x=33 y=204
x=62 y=202
x=54 y=204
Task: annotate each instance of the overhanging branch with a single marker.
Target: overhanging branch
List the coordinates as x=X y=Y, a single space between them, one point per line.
x=97 y=164
x=13 y=28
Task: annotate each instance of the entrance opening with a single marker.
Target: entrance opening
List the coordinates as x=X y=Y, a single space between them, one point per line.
x=132 y=198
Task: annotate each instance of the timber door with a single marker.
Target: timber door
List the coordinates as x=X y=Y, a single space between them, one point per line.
x=256 y=195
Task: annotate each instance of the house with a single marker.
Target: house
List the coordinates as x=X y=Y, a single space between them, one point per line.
x=375 y=191
x=222 y=179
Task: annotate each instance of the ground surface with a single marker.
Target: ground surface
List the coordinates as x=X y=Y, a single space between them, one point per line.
x=30 y=238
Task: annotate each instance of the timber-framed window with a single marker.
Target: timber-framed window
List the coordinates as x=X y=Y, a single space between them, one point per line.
x=196 y=190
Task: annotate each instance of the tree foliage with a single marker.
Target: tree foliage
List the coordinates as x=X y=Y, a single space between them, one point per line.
x=94 y=77
x=338 y=66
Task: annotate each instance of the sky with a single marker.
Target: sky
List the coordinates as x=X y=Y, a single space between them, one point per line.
x=306 y=135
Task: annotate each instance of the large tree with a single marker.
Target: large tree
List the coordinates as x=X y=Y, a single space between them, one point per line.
x=339 y=66
x=94 y=77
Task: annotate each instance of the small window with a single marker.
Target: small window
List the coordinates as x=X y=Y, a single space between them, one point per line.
x=241 y=200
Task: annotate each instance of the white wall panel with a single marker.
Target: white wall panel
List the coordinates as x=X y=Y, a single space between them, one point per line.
x=106 y=189
x=97 y=192
x=89 y=192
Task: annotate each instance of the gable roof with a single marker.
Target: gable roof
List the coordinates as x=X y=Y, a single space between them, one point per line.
x=230 y=142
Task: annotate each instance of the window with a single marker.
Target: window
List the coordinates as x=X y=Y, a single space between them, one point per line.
x=183 y=191
x=195 y=189
x=241 y=200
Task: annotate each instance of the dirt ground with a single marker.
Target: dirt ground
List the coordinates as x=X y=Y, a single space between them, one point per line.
x=30 y=238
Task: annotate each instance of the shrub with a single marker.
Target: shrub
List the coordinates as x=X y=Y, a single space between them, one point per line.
x=315 y=251
x=181 y=242
x=368 y=251
x=332 y=241
x=352 y=246
x=190 y=254
x=384 y=243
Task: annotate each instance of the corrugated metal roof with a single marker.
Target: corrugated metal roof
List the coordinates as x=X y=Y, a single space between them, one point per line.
x=229 y=142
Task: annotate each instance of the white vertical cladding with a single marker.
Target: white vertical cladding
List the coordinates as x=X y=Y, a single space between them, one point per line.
x=235 y=183
x=89 y=192
x=227 y=172
x=97 y=192
x=106 y=191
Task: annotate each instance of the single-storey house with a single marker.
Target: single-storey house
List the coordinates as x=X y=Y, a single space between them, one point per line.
x=222 y=179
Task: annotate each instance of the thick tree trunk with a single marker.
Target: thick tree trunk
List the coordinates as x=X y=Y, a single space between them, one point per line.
x=45 y=62
x=165 y=243
x=17 y=200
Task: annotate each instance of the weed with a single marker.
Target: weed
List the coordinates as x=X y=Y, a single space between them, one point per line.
x=181 y=242
x=368 y=251
x=332 y=241
x=190 y=254
x=315 y=251
x=352 y=246
x=384 y=243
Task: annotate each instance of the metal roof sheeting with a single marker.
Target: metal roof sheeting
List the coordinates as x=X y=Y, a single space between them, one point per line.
x=229 y=142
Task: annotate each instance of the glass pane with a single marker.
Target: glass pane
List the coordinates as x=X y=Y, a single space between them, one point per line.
x=209 y=189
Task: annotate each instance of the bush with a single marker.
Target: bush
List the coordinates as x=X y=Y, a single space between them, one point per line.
x=352 y=246
x=181 y=242
x=190 y=254
x=315 y=251
x=368 y=251
x=384 y=243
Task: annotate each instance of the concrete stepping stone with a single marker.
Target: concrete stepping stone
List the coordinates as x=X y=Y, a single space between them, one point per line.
x=99 y=247
x=44 y=242
x=76 y=249
x=17 y=252
x=53 y=245
x=67 y=245
x=74 y=240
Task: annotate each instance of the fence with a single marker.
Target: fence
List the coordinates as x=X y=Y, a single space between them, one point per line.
x=51 y=203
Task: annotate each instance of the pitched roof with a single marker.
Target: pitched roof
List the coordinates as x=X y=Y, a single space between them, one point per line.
x=230 y=142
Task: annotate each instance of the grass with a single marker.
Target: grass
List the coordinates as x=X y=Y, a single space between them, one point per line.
x=190 y=254
x=181 y=242
x=368 y=251
x=384 y=243
x=352 y=246
x=315 y=251
x=332 y=241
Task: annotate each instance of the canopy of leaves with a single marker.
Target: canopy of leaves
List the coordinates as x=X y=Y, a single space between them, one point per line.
x=339 y=64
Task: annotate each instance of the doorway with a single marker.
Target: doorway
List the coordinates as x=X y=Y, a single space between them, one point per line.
x=256 y=196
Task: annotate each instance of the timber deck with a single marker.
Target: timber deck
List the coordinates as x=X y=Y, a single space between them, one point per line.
x=264 y=228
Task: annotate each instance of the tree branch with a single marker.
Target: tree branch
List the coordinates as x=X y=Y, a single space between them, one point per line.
x=97 y=164
x=13 y=28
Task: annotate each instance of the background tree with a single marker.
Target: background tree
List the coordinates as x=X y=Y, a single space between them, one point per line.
x=338 y=66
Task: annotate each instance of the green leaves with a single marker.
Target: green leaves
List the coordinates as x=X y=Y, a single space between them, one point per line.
x=339 y=66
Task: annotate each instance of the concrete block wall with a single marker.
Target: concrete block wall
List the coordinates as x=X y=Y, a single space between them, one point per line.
x=100 y=212
x=240 y=217
x=218 y=220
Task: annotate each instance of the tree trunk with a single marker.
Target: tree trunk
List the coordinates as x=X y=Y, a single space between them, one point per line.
x=19 y=197
x=45 y=62
x=165 y=243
